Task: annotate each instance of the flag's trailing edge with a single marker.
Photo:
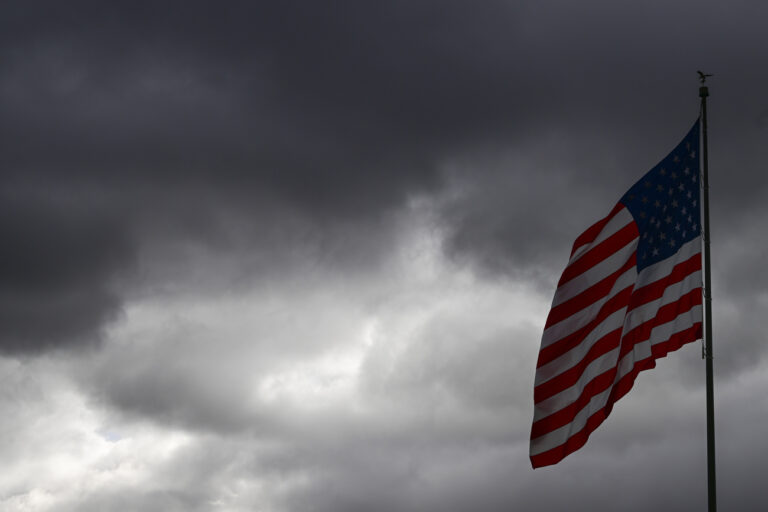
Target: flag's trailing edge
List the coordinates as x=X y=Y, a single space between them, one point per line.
x=630 y=294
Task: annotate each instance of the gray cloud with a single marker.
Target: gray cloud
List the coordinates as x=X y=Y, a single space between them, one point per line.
x=317 y=242
x=345 y=112
x=59 y=269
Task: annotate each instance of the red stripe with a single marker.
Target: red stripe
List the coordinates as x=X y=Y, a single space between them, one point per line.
x=567 y=414
x=563 y=345
x=599 y=252
x=677 y=340
x=573 y=443
x=622 y=387
x=571 y=376
x=588 y=296
x=607 y=343
x=658 y=350
x=588 y=236
x=666 y=313
x=656 y=289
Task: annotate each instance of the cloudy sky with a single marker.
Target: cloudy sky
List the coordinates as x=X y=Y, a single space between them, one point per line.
x=297 y=256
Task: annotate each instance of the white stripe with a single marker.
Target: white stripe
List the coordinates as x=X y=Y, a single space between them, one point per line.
x=581 y=318
x=559 y=436
x=683 y=321
x=594 y=275
x=569 y=395
x=662 y=269
x=632 y=319
x=648 y=275
x=659 y=334
x=569 y=359
x=672 y=293
x=619 y=220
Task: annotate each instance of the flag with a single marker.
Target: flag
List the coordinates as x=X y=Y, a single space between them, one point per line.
x=630 y=294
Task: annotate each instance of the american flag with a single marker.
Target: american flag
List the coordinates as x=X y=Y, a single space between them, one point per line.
x=630 y=294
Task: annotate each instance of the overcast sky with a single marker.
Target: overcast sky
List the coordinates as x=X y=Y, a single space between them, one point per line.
x=297 y=256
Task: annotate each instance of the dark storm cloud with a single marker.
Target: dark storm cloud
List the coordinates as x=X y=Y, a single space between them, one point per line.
x=300 y=99
x=180 y=110
x=174 y=113
x=58 y=270
x=164 y=151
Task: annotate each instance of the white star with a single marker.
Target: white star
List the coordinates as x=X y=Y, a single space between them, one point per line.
x=677 y=227
x=684 y=210
x=655 y=252
x=690 y=218
x=672 y=243
x=674 y=203
x=673 y=175
x=693 y=154
x=681 y=188
x=689 y=194
x=676 y=159
x=668 y=220
x=687 y=170
x=693 y=178
x=684 y=232
x=693 y=227
x=662 y=236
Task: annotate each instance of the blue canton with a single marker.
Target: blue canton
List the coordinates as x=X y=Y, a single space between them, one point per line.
x=665 y=203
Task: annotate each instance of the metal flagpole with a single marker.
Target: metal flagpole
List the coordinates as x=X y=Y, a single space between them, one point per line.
x=711 y=488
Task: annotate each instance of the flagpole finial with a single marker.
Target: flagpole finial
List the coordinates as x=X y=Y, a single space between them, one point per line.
x=703 y=90
x=703 y=77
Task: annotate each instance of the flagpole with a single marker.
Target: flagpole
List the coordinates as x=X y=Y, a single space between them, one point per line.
x=711 y=488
